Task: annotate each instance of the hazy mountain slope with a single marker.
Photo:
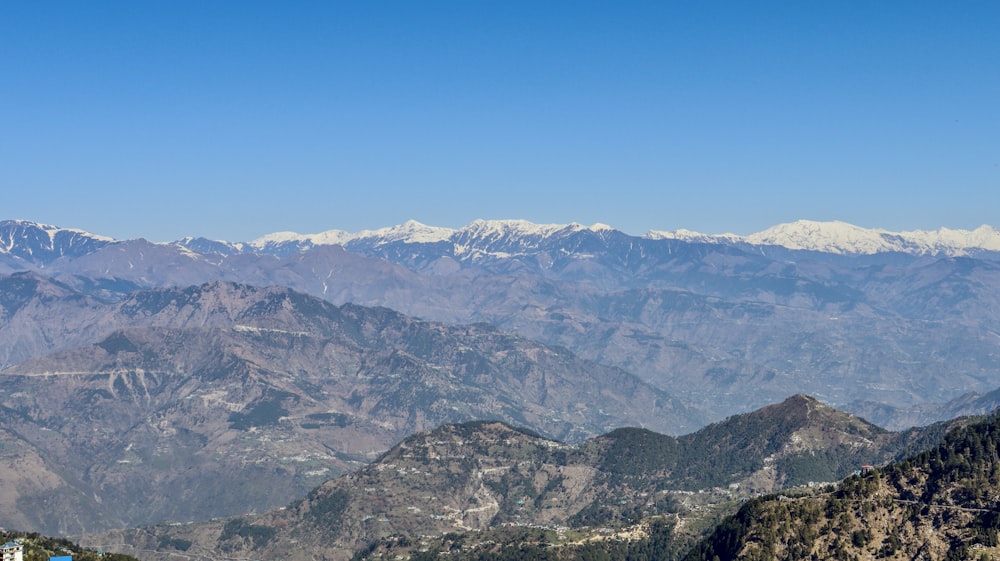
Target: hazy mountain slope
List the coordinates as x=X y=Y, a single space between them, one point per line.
x=970 y=404
x=35 y=492
x=225 y=398
x=38 y=316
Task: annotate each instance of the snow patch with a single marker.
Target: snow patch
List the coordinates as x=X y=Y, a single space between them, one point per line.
x=691 y=236
x=257 y=330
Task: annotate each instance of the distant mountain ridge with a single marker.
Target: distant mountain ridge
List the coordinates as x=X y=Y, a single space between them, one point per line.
x=32 y=240
x=846 y=239
x=829 y=237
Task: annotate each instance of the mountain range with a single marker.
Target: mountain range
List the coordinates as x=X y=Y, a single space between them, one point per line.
x=902 y=335
x=37 y=242
x=214 y=378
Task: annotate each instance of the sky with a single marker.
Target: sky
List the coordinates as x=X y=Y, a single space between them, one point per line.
x=231 y=120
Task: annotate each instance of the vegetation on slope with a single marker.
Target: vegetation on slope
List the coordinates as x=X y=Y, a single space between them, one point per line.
x=942 y=504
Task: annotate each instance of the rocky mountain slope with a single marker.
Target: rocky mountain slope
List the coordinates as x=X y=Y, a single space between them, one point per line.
x=936 y=505
x=223 y=398
x=480 y=476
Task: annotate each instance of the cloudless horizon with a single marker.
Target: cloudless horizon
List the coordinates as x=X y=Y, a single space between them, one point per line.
x=232 y=120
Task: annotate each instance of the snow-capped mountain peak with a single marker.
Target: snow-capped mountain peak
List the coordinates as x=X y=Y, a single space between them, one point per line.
x=50 y=230
x=43 y=243
x=599 y=227
x=329 y=237
x=830 y=237
x=410 y=231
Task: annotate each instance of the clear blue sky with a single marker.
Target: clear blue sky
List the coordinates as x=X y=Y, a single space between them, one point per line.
x=234 y=119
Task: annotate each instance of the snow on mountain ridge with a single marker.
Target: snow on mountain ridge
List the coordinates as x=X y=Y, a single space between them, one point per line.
x=984 y=237
x=829 y=237
x=692 y=236
x=503 y=228
x=501 y=237
x=45 y=242
x=329 y=237
x=843 y=238
x=412 y=231
x=51 y=230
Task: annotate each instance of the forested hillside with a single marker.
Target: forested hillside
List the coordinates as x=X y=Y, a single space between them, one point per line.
x=941 y=504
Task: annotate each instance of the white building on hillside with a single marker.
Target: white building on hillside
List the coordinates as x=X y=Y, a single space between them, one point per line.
x=11 y=551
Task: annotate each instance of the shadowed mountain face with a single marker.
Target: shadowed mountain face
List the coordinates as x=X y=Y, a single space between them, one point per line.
x=727 y=326
x=477 y=476
x=226 y=398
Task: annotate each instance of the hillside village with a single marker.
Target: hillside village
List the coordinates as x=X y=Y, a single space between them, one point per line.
x=35 y=547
